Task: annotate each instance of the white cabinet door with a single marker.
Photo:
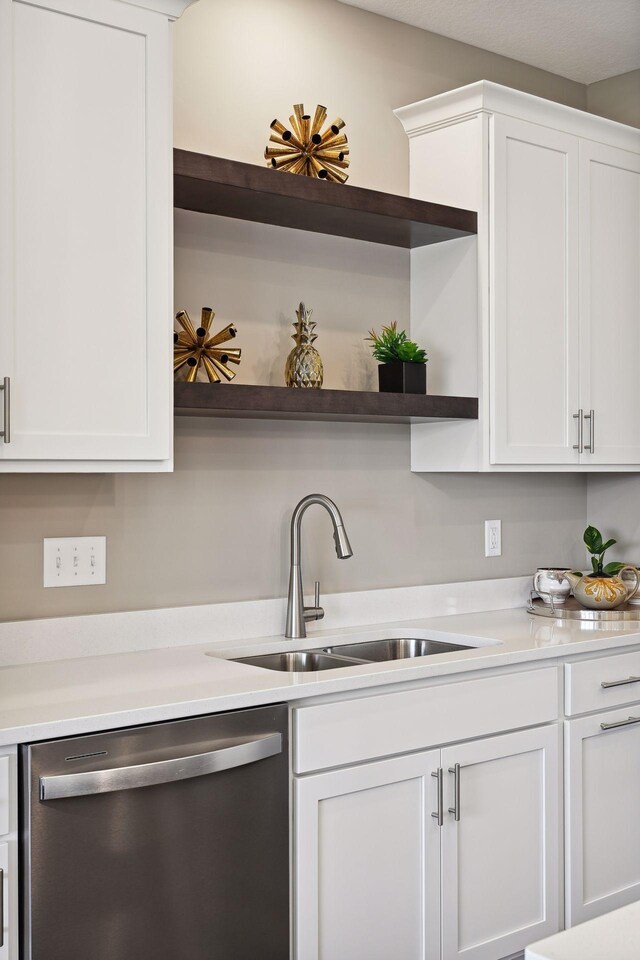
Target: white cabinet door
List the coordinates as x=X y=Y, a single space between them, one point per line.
x=8 y=949
x=8 y=853
x=602 y=800
x=85 y=193
x=533 y=294
x=501 y=859
x=367 y=862
x=610 y=303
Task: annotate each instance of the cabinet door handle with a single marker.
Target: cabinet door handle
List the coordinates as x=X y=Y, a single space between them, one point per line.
x=591 y=417
x=620 y=723
x=579 y=446
x=455 y=809
x=439 y=814
x=6 y=386
x=1 y=908
x=619 y=683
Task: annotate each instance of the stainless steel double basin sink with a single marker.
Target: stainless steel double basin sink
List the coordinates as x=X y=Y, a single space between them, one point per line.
x=351 y=654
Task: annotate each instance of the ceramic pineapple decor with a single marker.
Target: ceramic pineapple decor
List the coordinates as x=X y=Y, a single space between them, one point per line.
x=304 y=363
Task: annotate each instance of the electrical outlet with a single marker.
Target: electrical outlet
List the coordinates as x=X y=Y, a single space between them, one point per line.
x=75 y=561
x=493 y=538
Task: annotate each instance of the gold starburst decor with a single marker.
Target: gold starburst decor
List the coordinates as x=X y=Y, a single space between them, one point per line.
x=304 y=149
x=195 y=349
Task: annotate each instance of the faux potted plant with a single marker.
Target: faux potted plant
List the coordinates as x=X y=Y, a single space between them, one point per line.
x=607 y=587
x=402 y=362
x=597 y=548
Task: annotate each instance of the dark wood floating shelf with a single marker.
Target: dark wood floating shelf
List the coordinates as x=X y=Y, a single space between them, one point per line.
x=284 y=403
x=248 y=192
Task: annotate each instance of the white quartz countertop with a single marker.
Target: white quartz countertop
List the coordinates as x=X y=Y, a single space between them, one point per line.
x=68 y=697
x=614 y=936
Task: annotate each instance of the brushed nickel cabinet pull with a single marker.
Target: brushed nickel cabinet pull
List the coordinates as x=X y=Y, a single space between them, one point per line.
x=579 y=446
x=619 y=683
x=455 y=809
x=6 y=433
x=620 y=723
x=591 y=417
x=439 y=814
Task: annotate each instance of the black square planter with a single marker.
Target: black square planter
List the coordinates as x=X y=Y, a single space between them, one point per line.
x=399 y=377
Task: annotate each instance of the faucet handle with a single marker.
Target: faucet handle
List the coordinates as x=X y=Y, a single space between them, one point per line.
x=315 y=612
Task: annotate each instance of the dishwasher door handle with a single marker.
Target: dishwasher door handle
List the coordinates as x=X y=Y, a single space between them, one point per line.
x=162 y=771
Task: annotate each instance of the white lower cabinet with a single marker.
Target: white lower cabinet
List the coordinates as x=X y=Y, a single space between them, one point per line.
x=602 y=804
x=501 y=859
x=377 y=876
x=5 y=933
x=8 y=854
x=368 y=862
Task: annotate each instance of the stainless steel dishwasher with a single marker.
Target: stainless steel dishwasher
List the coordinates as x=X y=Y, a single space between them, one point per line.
x=163 y=842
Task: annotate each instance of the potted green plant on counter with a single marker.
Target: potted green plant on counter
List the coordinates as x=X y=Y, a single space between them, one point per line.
x=402 y=362
x=608 y=586
x=593 y=541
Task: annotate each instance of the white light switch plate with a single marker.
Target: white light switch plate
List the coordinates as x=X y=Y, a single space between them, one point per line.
x=75 y=561
x=493 y=538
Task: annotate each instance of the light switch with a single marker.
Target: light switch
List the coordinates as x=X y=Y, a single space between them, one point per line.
x=75 y=561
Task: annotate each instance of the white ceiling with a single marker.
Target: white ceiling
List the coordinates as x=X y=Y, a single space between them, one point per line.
x=584 y=40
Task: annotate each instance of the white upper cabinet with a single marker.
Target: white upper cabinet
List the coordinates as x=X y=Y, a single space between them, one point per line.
x=533 y=293
x=610 y=302
x=539 y=316
x=86 y=242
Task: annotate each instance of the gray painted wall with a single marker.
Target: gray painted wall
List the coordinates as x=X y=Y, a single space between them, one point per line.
x=613 y=505
x=217 y=528
x=617 y=98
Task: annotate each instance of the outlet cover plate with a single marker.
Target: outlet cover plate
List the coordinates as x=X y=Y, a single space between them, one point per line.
x=75 y=561
x=493 y=538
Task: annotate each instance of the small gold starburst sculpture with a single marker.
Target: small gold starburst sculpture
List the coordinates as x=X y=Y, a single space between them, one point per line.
x=194 y=348
x=304 y=149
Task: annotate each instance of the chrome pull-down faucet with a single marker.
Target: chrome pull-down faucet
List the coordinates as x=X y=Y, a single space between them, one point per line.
x=297 y=613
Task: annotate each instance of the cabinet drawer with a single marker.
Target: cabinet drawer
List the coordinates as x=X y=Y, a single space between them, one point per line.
x=584 y=690
x=333 y=734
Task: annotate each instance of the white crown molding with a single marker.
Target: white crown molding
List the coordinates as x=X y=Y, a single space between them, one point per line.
x=487 y=97
x=173 y=9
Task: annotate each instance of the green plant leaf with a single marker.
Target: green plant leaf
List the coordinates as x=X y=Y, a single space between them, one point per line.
x=594 y=564
x=615 y=567
x=605 y=546
x=593 y=540
x=392 y=344
x=410 y=352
